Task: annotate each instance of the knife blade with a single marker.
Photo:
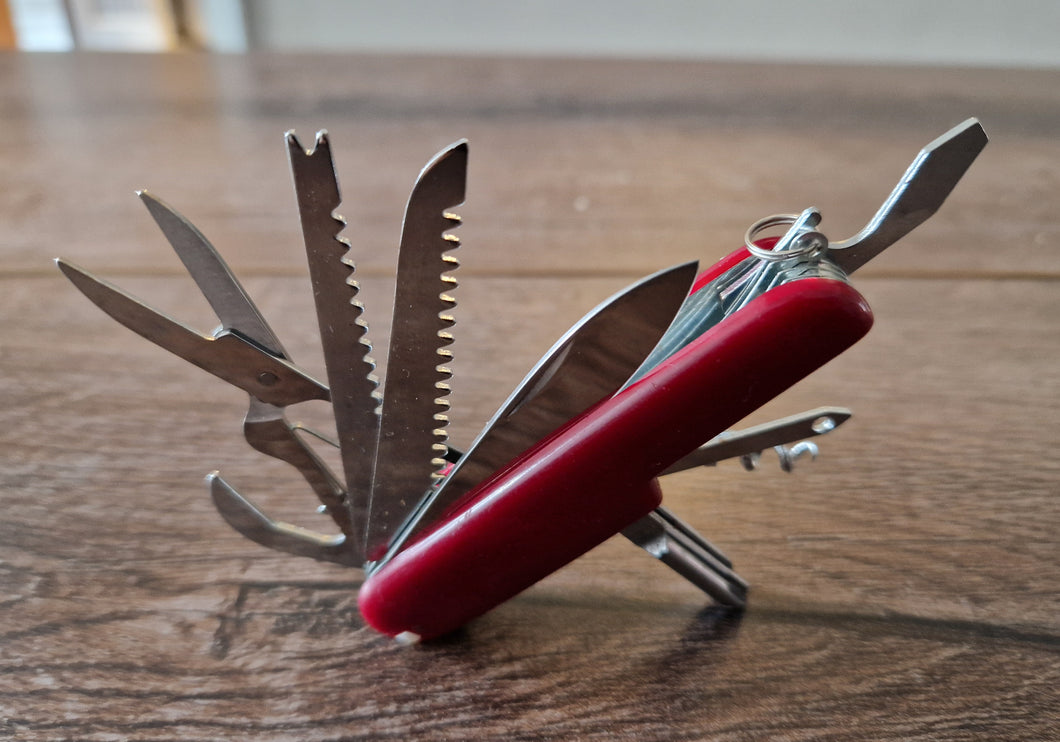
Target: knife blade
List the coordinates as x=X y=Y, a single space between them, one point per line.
x=584 y=367
x=411 y=436
x=343 y=331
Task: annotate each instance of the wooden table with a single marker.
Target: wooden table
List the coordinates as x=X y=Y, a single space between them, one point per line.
x=905 y=586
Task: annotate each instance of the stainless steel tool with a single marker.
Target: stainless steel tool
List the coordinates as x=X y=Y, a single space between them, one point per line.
x=401 y=480
x=243 y=351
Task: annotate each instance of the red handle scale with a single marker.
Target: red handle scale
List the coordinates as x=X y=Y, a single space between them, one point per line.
x=595 y=476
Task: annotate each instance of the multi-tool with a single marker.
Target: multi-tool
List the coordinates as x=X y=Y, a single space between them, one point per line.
x=646 y=384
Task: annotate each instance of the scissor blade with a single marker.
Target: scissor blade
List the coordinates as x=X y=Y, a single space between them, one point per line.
x=588 y=364
x=927 y=182
x=215 y=279
x=411 y=432
x=227 y=356
x=343 y=332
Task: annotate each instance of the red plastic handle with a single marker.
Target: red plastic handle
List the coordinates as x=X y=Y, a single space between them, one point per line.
x=597 y=475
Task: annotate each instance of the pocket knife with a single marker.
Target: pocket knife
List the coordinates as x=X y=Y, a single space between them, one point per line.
x=647 y=383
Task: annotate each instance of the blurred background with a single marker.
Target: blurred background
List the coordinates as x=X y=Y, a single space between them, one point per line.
x=1015 y=33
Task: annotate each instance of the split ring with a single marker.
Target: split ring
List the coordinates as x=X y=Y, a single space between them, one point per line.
x=807 y=242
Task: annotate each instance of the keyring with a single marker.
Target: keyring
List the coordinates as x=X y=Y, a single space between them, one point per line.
x=799 y=240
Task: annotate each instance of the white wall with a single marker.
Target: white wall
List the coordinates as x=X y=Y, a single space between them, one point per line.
x=959 y=32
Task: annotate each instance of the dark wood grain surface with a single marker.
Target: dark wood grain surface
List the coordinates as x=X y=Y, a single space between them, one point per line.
x=905 y=585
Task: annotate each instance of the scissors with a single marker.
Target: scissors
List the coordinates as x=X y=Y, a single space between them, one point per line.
x=245 y=352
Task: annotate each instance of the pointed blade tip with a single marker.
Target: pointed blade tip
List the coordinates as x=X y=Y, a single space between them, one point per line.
x=456 y=153
x=169 y=220
x=85 y=282
x=690 y=266
x=66 y=268
x=156 y=206
x=73 y=272
x=682 y=273
x=236 y=510
x=227 y=500
x=450 y=166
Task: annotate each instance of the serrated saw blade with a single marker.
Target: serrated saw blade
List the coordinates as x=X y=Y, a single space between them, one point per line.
x=411 y=431
x=343 y=331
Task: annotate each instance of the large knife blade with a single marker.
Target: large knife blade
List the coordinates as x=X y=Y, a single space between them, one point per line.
x=411 y=429
x=343 y=331
x=588 y=364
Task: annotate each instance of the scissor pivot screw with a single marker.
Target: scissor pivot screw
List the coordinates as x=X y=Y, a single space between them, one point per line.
x=267 y=378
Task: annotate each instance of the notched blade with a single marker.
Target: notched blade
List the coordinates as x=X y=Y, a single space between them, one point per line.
x=412 y=428
x=343 y=330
